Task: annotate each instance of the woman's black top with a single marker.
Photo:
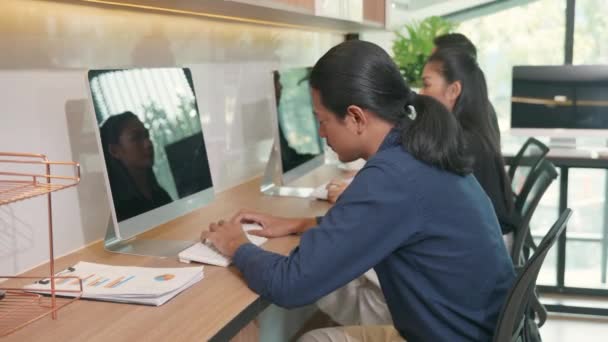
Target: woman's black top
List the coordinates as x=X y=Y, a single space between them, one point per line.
x=489 y=169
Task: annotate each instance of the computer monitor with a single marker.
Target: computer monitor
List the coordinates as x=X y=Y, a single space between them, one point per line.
x=560 y=101
x=297 y=140
x=156 y=168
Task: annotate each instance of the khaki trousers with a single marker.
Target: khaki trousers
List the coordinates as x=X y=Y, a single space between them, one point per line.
x=361 y=333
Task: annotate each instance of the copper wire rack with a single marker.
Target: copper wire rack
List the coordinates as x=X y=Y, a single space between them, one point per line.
x=19 y=307
x=23 y=176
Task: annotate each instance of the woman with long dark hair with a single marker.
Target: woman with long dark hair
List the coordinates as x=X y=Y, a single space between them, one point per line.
x=453 y=77
x=129 y=156
x=414 y=213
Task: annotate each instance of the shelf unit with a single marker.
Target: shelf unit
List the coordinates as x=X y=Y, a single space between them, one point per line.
x=299 y=14
x=23 y=176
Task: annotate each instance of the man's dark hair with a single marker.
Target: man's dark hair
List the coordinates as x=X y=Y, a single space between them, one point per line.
x=361 y=73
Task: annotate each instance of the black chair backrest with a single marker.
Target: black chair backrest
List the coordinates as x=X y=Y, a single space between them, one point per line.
x=512 y=318
x=531 y=193
x=525 y=161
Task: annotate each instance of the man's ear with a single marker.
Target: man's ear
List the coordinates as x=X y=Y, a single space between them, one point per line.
x=357 y=117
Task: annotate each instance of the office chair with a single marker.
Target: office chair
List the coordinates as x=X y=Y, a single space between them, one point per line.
x=525 y=161
x=531 y=193
x=513 y=322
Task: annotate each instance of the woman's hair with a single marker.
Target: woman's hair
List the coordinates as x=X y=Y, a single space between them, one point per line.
x=455 y=41
x=361 y=73
x=120 y=180
x=112 y=128
x=472 y=108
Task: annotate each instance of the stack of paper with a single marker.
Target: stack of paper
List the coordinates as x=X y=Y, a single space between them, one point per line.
x=126 y=284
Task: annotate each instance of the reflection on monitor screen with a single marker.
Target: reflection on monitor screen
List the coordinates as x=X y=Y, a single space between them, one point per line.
x=188 y=162
x=152 y=142
x=299 y=139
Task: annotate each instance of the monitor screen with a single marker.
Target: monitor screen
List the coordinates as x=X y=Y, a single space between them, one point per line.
x=299 y=140
x=188 y=164
x=153 y=148
x=560 y=97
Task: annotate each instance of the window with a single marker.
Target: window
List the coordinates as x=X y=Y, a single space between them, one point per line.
x=532 y=34
x=591 y=32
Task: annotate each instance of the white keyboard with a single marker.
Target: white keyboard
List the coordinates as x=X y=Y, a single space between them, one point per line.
x=320 y=192
x=206 y=253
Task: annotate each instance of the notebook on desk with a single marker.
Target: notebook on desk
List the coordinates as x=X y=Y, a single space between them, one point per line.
x=124 y=284
x=207 y=254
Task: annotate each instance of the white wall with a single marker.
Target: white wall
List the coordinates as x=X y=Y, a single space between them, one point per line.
x=46 y=48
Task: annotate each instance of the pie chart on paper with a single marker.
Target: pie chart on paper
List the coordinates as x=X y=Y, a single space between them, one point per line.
x=164 y=277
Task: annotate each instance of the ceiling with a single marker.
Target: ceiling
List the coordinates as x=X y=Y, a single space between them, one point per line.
x=413 y=5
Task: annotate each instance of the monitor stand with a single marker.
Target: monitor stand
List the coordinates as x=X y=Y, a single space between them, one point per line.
x=563 y=143
x=143 y=247
x=272 y=182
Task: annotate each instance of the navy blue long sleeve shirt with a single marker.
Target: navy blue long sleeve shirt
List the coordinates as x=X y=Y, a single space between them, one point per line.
x=432 y=237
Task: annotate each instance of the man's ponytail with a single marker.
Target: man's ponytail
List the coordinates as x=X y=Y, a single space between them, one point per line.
x=433 y=135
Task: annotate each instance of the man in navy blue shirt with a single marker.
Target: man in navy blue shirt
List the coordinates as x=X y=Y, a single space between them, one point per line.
x=414 y=213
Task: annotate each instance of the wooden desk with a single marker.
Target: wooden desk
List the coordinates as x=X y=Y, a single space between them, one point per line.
x=214 y=309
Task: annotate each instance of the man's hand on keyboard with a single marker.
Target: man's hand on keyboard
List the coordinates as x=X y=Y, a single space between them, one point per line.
x=226 y=237
x=335 y=188
x=273 y=226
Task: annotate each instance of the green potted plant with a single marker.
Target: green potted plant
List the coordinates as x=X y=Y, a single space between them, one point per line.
x=414 y=44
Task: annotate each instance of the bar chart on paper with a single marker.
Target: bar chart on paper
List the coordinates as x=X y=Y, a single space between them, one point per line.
x=143 y=285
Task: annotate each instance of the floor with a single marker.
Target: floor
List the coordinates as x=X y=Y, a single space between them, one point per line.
x=562 y=328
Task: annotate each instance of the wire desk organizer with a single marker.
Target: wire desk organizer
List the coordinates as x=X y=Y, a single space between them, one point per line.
x=23 y=176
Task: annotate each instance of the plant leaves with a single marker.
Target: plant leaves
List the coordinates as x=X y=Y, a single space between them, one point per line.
x=413 y=45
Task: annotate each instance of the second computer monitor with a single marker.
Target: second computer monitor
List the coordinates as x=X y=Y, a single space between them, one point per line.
x=301 y=147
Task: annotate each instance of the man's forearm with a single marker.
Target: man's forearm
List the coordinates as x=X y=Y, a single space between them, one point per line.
x=305 y=224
